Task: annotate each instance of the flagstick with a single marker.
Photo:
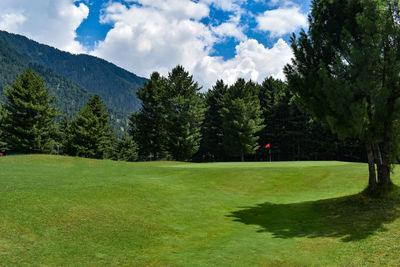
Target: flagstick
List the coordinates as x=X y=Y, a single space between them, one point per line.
x=270 y=155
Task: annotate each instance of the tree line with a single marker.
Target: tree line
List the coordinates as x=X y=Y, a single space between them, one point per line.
x=176 y=122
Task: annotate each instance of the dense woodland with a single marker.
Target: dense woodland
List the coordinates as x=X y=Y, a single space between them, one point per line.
x=176 y=122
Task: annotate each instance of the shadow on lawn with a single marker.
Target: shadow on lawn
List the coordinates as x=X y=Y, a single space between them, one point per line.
x=349 y=218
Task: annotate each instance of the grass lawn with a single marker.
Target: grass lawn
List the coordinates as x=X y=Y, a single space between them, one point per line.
x=65 y=211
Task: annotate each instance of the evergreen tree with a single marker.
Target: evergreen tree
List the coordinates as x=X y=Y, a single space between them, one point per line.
x=185 y=114
x=3 y=144
x=89 y=134
x=241 y=119
x=29 y=124
x=127 y=149
x=345 y=72
x=148 y=127
x=211 y=146
x=63 y=128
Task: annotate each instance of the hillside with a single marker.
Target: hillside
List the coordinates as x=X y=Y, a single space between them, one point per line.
x=83 y=74
x=70 y=96
x=66 y=211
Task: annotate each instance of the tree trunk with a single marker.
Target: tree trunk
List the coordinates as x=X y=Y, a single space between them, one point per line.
x=384 y=169
x=371 y=167
x=378 y=160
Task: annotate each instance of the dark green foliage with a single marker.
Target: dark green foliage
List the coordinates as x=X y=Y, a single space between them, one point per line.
x=127 y=149
x=241 y=119
x=169 y=122
x=345 y=72
x=29 y=125
x=3 y=144
x=293 y=134
x=62 y=134
x=90 y=134
x=149 y=125
x=211 y=148
x=185 y=113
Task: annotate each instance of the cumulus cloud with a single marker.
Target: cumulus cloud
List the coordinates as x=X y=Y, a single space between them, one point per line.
x=252 y=61
x=158 y=35
x=49 y=22
x=282 y=21
x=153 y=37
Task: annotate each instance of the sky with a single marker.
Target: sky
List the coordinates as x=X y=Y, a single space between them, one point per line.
x=220 y=39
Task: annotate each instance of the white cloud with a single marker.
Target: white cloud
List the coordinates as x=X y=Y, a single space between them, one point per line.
x=154 y=38
x=46 y=21
x=11 y=21
x=252 y=61
x=157 y=35
x=282 y=21
x=229 y=29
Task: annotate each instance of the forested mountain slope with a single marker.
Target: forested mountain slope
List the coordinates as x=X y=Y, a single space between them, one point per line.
x=72 y=78
x=70 y=96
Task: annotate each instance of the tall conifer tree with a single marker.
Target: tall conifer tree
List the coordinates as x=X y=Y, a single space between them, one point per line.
x=241 y=119
x=3 y=144
x=89 y=134
x=211 y=146
x=345 y=72
x=185 y=114
x=148 y=127
x=29 y=124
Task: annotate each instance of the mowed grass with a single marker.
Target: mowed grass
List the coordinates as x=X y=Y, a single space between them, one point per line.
x=64 y=211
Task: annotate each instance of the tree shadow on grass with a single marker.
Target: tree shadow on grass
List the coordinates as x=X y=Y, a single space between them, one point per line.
x=350 y=218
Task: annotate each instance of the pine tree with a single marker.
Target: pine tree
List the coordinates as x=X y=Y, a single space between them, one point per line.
x=241 y=119
x=127 y=149
x=29 y=124
x=148 y=127
x=3 y=144
x=211 y=146
x=345 y=73
x=185 y=114
x=89 y=134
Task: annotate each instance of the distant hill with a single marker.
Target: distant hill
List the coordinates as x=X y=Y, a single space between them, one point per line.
x=71 y=78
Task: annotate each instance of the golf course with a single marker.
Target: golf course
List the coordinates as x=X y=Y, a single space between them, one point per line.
x=69 y=211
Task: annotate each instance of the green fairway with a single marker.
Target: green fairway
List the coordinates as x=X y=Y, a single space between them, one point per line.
x=65 y=211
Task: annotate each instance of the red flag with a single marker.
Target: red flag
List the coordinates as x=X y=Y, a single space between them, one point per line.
x=267 y=145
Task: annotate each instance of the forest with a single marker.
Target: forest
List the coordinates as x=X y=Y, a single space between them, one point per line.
x=245 y=121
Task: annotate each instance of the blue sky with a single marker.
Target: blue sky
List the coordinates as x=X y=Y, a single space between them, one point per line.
x=213 y=39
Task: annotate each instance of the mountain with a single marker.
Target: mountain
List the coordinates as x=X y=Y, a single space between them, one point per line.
x=71 y=78
x=70 y=96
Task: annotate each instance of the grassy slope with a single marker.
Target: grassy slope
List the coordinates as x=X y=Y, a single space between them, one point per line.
x=79 y=212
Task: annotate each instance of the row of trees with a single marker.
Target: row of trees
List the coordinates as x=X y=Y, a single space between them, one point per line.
x=176 y=121
x=229 y=123
x=27 y=124
x=171 y=122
